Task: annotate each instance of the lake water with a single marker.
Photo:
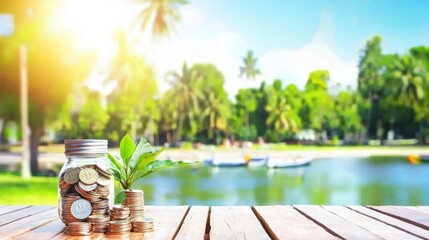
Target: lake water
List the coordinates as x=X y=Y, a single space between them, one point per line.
x=338 y=181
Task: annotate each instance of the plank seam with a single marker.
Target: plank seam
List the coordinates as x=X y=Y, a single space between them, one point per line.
x=34 y=228
x=387 y=223
x=26 y=216
x=181 y=222
x=319 y=223
x=208 y=225
x=19 y=209
x=410 y=221
x=264 y=224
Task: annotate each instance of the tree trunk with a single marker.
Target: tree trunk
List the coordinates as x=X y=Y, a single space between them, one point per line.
x=2 y=131
x=25 y=171
x=36 y=134
x=368 y=120
x=422 y=133
x=134 y=130
x=215 y=132
x=178 y=130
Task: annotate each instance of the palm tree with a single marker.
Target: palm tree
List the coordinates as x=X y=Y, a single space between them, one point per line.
x=280 y=112
x=369 y=84
x=187 y=92
x=250 y=71
x=217 y=112
x=159 y=16
x=135 y=85
x=410 y=74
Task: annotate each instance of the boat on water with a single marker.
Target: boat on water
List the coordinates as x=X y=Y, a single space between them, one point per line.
x=257 y=162
x=234 y=162
x=416 y=159
x=288 y=162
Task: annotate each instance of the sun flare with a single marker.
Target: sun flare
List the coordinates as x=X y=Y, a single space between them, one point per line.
x=92 y=22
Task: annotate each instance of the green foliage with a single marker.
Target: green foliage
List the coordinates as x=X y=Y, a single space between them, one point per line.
x=136 y=162
x=280 y=112
x=158 y=16
x=249 y=69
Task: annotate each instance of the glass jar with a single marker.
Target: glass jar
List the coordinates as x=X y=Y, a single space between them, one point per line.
x=85 y=186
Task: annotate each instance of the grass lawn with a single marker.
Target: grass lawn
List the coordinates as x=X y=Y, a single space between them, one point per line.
x=34 y=191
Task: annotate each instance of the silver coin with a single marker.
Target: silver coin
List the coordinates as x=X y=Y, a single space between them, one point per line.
x=87 y=188
x=81 y=209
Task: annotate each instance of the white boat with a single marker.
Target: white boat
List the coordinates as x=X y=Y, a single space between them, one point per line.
x=257 y=162
x=288 y=162
x=236 y=162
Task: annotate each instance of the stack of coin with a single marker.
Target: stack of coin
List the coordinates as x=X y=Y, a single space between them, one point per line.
x=79 y=229
x=119 y=227
x=99 y=223
x=100 y=207
x=120 y=212
x=145 y=225
x=135 y=202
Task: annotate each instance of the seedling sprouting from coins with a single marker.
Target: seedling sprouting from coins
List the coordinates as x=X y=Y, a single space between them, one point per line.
x=135 y=162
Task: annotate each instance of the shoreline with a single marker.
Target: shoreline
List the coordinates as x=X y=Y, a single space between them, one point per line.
x=51 y=158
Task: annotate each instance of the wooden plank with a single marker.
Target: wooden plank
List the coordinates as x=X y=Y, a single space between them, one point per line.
x=194 y=225
x=422 y=209
x=235 y=223
x=8 y=209
x=22 y=213
x=94 y=236
x=285 y=222
x=335 y=224
x=405 y=214
x=167 y=221
x=28 y=223
x=404 y=226
x=370 y=224
x=47 y=231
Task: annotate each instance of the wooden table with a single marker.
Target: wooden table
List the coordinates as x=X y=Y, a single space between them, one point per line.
x=239 y=222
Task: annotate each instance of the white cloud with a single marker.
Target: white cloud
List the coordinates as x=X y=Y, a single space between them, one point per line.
x=202 y=40
x=294 y=66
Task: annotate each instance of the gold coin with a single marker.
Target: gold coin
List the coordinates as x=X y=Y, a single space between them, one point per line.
x=88 y=176
x=72 y=175
x=103 y=181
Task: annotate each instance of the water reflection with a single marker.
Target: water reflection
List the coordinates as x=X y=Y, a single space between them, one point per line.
x=339 y=181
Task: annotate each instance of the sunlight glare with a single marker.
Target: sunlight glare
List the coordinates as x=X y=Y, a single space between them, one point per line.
x=92 y=22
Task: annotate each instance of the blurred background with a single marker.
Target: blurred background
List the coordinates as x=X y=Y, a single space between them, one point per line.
x=345 y=82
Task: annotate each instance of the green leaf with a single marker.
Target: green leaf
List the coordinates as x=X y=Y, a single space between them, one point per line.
x=127 y=148
x=117 y=174
x=116 y=163
x=120 y=197
x=142 y=147
x=148 y=158
x=158 y=165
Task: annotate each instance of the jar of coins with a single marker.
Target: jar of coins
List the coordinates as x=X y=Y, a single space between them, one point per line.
x=85 y=186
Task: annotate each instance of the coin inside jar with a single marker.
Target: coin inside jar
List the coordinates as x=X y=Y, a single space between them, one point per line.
x=87 y=188
x=81 y=209
x=72 y=175
x=88 y=176
x=103 y=181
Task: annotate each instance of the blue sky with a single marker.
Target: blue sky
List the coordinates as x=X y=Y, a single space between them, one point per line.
x=290 y=38
x=283 y=23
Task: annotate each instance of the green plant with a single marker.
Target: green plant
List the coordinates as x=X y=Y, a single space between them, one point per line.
x=137 y=161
